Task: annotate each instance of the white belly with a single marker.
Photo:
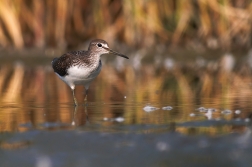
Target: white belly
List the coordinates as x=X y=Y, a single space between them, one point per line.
x=80 y=76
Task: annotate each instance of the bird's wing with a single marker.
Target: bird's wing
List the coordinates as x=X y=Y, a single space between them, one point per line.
x=61 y=64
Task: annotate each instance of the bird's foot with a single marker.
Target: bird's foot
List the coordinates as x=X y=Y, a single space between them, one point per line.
x=75 y=102
x=85 y=101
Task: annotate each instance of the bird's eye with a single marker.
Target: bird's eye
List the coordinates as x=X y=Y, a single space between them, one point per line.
x=99 y=45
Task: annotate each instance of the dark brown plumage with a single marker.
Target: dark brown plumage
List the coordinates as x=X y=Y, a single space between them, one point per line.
x=74 y=58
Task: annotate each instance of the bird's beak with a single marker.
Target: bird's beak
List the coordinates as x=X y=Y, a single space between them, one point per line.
x=115 y=53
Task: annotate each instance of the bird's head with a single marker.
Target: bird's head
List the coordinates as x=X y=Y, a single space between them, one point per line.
x=101 y=47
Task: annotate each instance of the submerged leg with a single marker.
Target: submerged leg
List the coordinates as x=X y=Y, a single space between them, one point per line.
x=87 y=120
x=85 y=100
x=73 y=117
x=75 y=101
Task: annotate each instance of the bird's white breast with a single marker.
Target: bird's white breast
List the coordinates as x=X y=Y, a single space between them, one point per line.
x=79 y=72
x=80 y=75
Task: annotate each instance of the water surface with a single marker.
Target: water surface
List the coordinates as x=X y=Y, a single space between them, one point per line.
x=147 y=114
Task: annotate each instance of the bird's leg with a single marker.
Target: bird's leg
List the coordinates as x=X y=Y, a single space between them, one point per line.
x=87 y=120
x=73 y=117
x=85 y=100
x=75 y=101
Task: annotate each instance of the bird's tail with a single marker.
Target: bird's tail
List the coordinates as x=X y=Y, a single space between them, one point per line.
x=54 y=60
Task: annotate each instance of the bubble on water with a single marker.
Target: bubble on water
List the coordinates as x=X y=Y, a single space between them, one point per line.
x=209 y=114
x=73 y=123
x=119 y=119
x=162 y=146
x=211 y=109
x=149 y=108
x=237 y=111
x=247 y=120
x=201 y=109
x=226 y=112
x=43 y=161
x=167 y=108
x=192 y=115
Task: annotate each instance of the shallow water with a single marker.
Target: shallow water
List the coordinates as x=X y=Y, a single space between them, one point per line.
x=150 y=115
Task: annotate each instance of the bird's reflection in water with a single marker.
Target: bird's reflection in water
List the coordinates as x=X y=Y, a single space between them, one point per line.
x=75 y=117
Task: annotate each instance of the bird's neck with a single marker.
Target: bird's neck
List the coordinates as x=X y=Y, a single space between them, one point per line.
x=93 y=59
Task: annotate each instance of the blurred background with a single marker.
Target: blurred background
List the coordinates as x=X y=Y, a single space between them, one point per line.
x=196 y=24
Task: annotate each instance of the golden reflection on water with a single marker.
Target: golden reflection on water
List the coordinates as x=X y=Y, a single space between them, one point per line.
x=31 y=97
